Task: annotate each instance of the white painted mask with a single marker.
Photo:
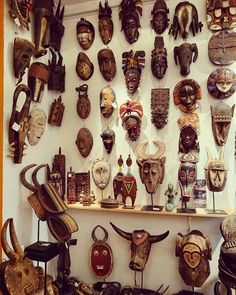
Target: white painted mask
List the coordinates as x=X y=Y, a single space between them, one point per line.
x=101 y=172
x=37 y=122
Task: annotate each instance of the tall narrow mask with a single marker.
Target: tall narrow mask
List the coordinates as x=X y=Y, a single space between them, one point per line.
x=107 y=64
x=108 y=138
x=37 y=123
x=101 y=172
x=159 y=59
x=105 y=23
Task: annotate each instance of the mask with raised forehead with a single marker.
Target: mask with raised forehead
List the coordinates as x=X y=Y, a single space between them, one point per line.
x=159 y=59
x=85 y=33
x=108 y=139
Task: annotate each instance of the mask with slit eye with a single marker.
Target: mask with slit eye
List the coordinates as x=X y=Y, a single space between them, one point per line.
x=160 y=19
x=107 y=101
x=105 y=23
x=37 y=123
x=85 y=33
x=84 y=142
x=101 y=172
x=108 y=138
x=159 y=59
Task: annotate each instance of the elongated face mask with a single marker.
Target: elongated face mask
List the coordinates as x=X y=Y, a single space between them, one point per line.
x=107 y=64
x=160 y=19
x=85 y=33
x=37 y=125
x=101 y=172
x=105 y=23
x=84 y=142
x=107 y=101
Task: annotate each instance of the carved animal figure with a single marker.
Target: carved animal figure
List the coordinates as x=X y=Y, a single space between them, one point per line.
x=185 y=54
x=141 y=242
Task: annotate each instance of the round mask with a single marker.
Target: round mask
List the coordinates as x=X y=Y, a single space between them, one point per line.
x=85 y=33
x=101 y=173
x=107 y=64
x=84 y=142
x=107 y=101
x=37 y=123
x=84 y=67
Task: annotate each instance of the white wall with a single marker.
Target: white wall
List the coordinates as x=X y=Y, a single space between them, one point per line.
x=162 y=266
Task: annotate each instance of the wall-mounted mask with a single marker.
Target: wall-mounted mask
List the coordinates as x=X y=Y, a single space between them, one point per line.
x=105 y=23
x=215 y=172
x=83 y=105
x=107 y=64
x=160 y=106
x=56 y=112
x=194 y=251
x=159 y=59
x=132 y=65
x=101 y=172
x=23 y=50
x=186 y=95
x=84 y=142
x=20 y=12
x=37 y=123
x=57 y=28
x=57 y=73
x=85 y=33
x=129 y=11
x=221 y=15
x=184 y=55
x=151 y=166
x=107 y=101
x=221 y=117
x=160 y=19
x=84 y=67
x=131 y=113
x=108 y=139
x=188 y=140
x=43 y=17
x=222 y=48
x=38 y=75
x=185 y=18
x=221 y=83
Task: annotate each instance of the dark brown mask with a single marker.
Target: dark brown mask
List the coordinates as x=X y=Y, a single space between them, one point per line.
x=84 y=67
x=184 y=55
x=107 y=64
x=107 y=101
x=105 y=23
x=23 y=50
x=20 y=12
x=57 y=73
x=188 y=140
x=159 y=59
x=83 y=105
x=108 y=138
x=57 y=28
x=160 y=107
x=160 y=19
x=84 y=142
x=85 y=33
x=56 y=112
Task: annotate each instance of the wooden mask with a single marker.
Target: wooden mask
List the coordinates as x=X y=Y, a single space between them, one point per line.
x=107 y=101
x=101 y=256
x=84 y=142
x=159 y=59
x=186 y=95
x=85 y=33
x=129 y=11
x=184 y=55
x=57 y=72
x=57 y=28
x=83 y=105
x=101 y=172
x=221 y=83
x=160 y=19
x=23 y=50
x=84 y=67
x=215 y=172
x=37 y=123
x=160 y=106
x=20 y=12
x=107 y=64
x=105 y=23
x=185 y=18
x=71 y=187
x=118 y=179
x=221 y=117
x=56 y=112
x=188 y=140
x=194 y=251
x=108 y=139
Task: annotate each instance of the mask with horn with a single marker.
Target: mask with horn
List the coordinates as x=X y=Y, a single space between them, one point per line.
x=151 y=166
x=56 y=80
x=57 y=28
x=20 y=12
x=215 y=172
x=159 y=58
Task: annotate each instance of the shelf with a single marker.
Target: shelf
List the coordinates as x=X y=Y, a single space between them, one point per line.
x=137 y=210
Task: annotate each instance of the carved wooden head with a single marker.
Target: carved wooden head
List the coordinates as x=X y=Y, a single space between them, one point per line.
x=107 y=64
x=105 y=23
x=85 y=33
x=160 y=19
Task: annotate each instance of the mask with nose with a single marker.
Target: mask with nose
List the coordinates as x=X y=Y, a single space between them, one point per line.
x=107 y=101
x=105 y=23
x=188 y=140
x=101 y=173
x=159 y=59
x=107 y=64
x=108 y=138
x=37 y=122
x=160 y=19
x=85 y=33
x=84 y=142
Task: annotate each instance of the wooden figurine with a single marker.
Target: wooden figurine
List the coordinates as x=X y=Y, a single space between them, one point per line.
x=118 y=179
x=56 y=112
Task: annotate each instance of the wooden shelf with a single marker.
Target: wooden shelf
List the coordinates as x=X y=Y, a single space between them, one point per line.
x=137 y=210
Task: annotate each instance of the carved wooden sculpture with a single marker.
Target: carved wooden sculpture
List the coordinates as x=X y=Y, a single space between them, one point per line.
x=83 y=105
x=84 y=67
x=71 y=187
x=118 y=179
x=160 y=106
x=56 y=80
x=105 y=23
x=20 y=12
x=107 y=64
x=59 y=167
x=56 y=112
x=184 y=55
x=85 y=33
x=108 y=139
x=37 y=123
x=107 y=101
x=159 y=59
x=101 y=173
x=84 y=141
x=82 y=183
x=57 y=28
x=160 y=19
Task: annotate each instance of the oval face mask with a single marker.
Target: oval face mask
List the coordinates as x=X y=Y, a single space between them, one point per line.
x=101 y=172
x=107 y=64
x=85 y=33
x=83 y=105
x=37 y=122
x=105 y=23
x=107 y=101
x=84 y=142
x=84 y=67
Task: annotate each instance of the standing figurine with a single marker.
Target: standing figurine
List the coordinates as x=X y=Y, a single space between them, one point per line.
x=170 y=193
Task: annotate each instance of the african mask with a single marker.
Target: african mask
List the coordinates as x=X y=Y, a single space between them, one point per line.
x=105 y=23
x=151 y=166
x=38 y=76
x=83 y=105
x=20 y=12
x=131 y=113
x=160 y=107
x=187 y=176
x=56 y=112
x=186 y=95
x=84 y=142
x=37 y=122
x=221 y=116
x=71 y=187
x=185 y=54
x=132 y=65
x=194 y=251
x=23 y=50
x=222 y=48
x=43 y=17
x=59 y=167
x=117 y=180
x=101 y=257
x=221 y=83
x=101 y=172
x=107 y=101
x=57 y=73
x=108 y=138
x=57 y=28
x=188 y=140
x=160 y=19
x=159 y=59
x=107 y=64
x=185 y=18
x=85 y=33
x=221 y=15
x=128 y=14
x=84 y=67
x=215 y=172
